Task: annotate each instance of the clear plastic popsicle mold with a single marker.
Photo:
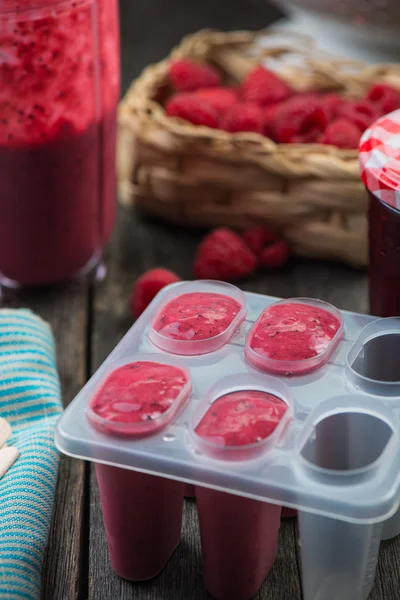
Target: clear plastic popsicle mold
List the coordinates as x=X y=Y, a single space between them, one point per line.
x=334 y=456
x=346 y=440
x=207 y=335
x=261 y=353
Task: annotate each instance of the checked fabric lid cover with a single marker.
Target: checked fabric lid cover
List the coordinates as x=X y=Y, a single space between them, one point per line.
x=379 y=153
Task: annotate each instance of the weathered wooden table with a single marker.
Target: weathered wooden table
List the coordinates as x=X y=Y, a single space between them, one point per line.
x=89 y=320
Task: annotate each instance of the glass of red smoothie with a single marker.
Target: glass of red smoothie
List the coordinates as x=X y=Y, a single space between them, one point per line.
x=197 y=317
x=59 y=74
x=240 y=419
x=142 y=513
x=379 y=153
x=294 y=336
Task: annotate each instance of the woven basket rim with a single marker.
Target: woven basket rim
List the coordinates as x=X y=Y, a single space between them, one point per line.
x=140 y=109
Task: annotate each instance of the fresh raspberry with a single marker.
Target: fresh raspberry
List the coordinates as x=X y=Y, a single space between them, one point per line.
x=221 y=98
x=269 y=119
x=148 y=286
x=298 y=116
x=331 y=103
x=186 y=76
x=224 y=255
x=275 y=256
x=192 y=109
x=264 y=87
x=257 y=237
x=342 y=133
x=243 y=117
x=360 y=112
x=311 y=136
x=384 y=97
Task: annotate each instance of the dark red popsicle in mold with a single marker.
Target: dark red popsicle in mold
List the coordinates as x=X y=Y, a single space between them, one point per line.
x=239 y=536
x=293 y=337
x=142 y=518
x=142 y=513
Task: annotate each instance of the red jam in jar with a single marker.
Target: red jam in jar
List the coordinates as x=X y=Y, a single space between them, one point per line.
x=380 y=172
x=59 y=88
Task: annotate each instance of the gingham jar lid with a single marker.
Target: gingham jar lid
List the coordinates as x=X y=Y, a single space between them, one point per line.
x=379 y=153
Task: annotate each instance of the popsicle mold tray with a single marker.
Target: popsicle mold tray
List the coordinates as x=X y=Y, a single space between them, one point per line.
x=334 y=456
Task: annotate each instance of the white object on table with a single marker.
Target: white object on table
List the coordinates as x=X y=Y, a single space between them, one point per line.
x=8 y=456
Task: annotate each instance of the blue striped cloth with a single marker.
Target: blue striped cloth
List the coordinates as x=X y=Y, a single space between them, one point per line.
x=30 y=401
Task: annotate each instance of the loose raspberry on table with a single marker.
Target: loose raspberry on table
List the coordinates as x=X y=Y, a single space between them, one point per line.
x=298 y=116
x=258 y=237
x=186 y=76
x=275 y=256
x=243 y=117
x=342 y=133
x=384 y=97
x=264 y=87
x=360 y=112
x=147 y=287
x=221 y=98
x=224 y=255
x=193 y=109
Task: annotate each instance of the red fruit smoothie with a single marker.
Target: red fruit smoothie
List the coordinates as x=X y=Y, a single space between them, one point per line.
x=59 y=73
x=135 y=398
x=142 y=513
x=241 y=418
x=197 y=316
x=239 y=536
x=292 y=332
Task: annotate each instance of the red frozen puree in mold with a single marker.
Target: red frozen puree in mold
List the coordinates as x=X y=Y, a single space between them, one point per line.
x=241 y=418
x=197 y=316
x=143 y=519
x=138 y=392
x=294 y=332
x=232 y=569
x=142 y=513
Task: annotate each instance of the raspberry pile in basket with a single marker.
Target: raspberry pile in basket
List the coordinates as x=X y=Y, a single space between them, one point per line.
x=265 y=104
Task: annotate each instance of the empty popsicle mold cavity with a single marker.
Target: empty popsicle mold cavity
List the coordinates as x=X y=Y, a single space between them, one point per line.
x=379 y=358
x=347 y=441
x=347 y=436
x=197 y=318
x=373 y=363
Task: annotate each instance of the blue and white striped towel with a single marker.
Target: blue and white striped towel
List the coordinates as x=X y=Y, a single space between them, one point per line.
x=30 y=401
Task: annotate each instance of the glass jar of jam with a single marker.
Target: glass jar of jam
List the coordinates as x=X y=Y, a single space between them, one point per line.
x=59 y=88
x=380 y=172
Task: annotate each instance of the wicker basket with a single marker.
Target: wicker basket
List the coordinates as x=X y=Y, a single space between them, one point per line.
x=206 y=177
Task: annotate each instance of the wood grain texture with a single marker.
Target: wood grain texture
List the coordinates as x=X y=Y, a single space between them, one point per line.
x=65 y=308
